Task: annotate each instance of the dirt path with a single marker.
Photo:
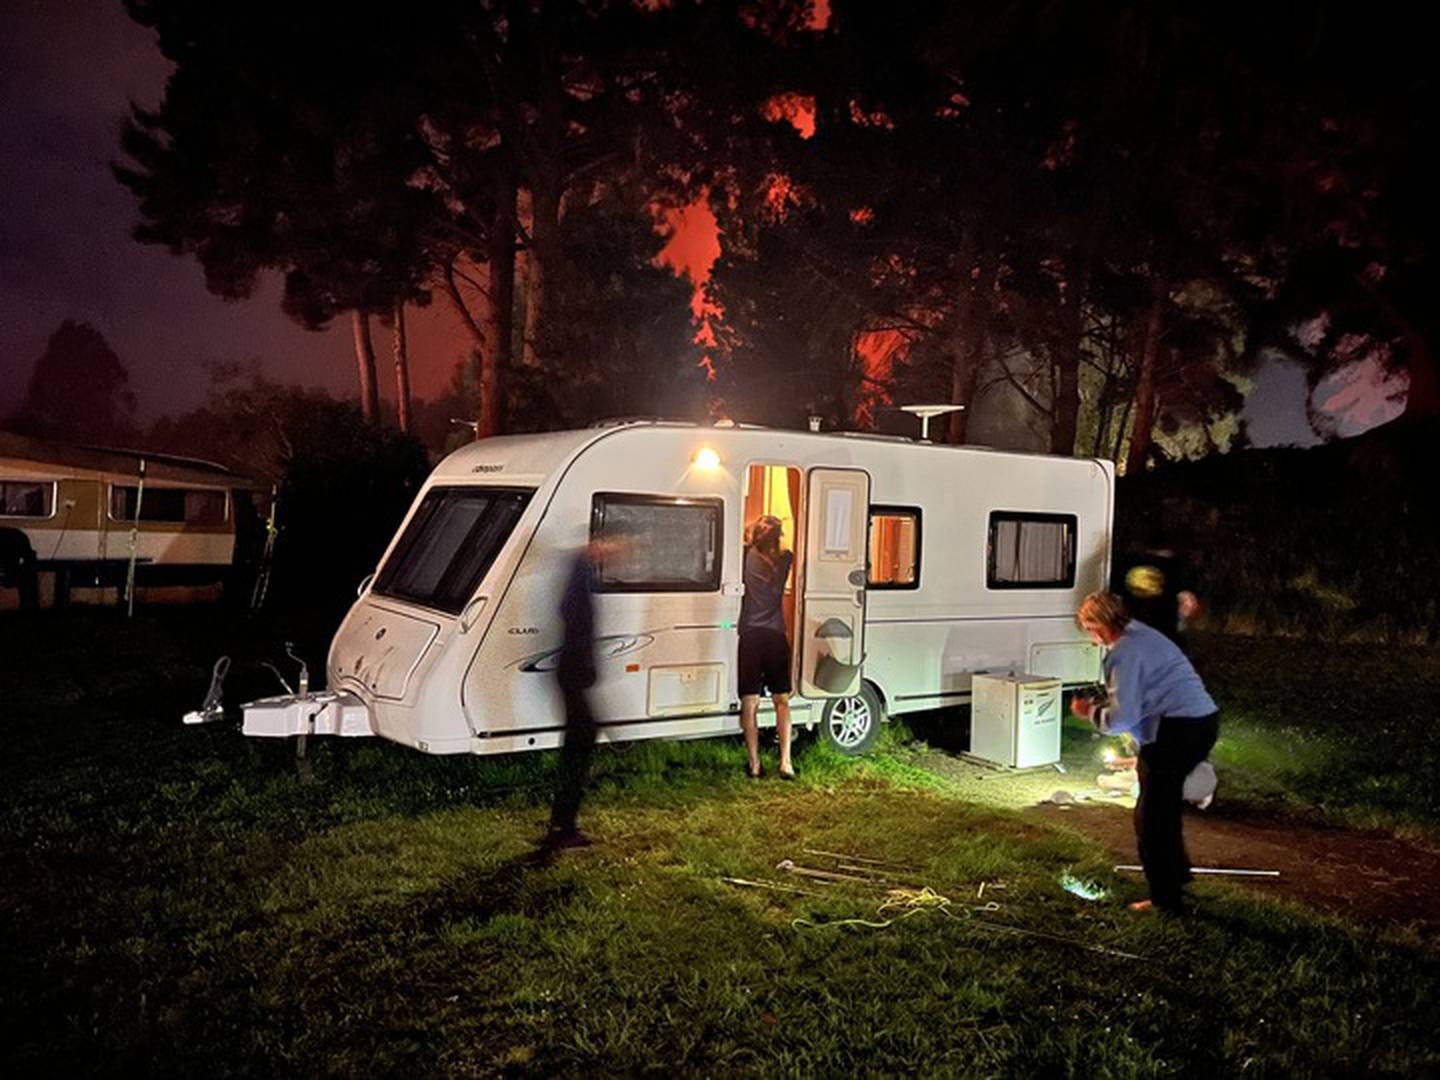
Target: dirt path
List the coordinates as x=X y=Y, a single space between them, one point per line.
x=1368 y=877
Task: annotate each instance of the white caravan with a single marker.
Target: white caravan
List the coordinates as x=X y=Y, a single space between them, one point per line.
x=917 y=566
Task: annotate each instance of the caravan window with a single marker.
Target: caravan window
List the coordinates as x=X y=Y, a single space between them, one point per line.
x=1031 y=551
x=27 y=498
x=894 y=547
x=190 y=506
x=671 y=545
x=449 y=544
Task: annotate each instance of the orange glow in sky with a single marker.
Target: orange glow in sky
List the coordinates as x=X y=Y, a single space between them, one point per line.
x=691 y=251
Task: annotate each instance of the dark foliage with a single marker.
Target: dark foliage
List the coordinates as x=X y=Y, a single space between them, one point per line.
x=79 y=392
x=1325 y=542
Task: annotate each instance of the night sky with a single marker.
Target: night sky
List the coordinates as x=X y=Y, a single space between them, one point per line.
x=68 y=69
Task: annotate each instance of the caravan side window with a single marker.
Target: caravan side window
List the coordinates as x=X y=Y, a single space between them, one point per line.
x=27 y=498
x=672 y=545
x=189 y=506
x=894 y=547
x=1031 y=551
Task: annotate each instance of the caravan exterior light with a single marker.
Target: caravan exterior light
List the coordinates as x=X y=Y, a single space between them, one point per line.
x=706 y=458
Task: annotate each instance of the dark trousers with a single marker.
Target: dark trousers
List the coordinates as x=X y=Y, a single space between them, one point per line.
x=1180 y=744
x=575 y=754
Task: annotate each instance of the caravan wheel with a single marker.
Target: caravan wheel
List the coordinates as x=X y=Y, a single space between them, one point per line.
x=852 y=724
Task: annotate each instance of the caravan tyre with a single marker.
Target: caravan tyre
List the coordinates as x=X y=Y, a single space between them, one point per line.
x=852 y=724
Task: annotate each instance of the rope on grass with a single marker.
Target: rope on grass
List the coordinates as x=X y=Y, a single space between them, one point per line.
x=912 y=902
x=907 y=902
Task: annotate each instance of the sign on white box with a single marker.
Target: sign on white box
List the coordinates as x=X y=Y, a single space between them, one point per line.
x=1015 y=719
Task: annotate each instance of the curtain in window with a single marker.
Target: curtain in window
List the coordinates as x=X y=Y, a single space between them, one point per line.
x=1031 y=551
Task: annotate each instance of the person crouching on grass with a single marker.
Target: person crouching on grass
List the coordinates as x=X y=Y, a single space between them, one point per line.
x=764 y=658
x=1155 y=696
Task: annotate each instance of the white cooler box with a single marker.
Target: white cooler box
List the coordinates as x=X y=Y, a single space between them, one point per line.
x=1015 y=719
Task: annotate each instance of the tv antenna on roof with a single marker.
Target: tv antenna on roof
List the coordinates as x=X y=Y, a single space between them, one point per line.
x=925 y=412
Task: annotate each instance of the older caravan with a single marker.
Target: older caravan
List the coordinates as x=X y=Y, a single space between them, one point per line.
x=70 y=515
x=917 y=566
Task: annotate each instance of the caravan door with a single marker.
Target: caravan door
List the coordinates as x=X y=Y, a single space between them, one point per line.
x=831 y=625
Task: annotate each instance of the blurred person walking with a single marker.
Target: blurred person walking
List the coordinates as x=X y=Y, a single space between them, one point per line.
x=575 y=674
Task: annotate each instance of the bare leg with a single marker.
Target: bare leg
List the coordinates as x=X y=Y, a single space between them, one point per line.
x=750 y=725
x=782 y=730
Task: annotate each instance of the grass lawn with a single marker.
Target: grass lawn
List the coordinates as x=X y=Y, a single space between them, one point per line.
x=178 y=900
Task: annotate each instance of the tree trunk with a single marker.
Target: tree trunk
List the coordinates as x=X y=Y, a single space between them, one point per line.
x=1120 y=429
x=546 y=183
x=540 y=261
x=498 y=355
x=1065 y=408
x=1408 y=313
x=968 y=362
x=965 y=379
x=1145 y=379
x=402 y=368
x=365 y=363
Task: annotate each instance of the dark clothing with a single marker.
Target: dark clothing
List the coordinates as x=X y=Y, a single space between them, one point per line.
x=764 y=659
x=1181 y=743
x=764 y=662
x=1151 y=583
x=575 y=673
x=576 y=666
x=762 y=607
x=575 y=755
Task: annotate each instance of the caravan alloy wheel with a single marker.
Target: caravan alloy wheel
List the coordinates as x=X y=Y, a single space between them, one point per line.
x=852 y=724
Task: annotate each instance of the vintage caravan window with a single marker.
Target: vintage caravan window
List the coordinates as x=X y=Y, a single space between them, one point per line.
x=27 y=498
x=894 y=547
x=449 y=544
x=188 y=506
x=671 y=545
x=1031 y=551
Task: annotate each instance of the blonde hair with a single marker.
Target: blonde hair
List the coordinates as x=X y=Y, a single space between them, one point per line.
x=1103 y=609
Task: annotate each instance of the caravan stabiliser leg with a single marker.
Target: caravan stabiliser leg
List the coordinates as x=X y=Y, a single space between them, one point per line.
x=214 y=706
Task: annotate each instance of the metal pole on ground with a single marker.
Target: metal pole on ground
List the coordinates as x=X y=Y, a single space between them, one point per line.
x=134 y=545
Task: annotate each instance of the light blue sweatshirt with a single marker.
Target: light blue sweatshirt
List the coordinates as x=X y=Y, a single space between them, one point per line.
x=1148 y=678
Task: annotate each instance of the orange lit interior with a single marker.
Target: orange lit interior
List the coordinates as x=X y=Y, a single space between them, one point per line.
x=892 y=549
x=775 y=490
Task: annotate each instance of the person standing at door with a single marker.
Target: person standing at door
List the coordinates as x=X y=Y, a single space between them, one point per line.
x=764 y=651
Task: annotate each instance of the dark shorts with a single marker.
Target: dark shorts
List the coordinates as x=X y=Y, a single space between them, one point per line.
x=764 y=662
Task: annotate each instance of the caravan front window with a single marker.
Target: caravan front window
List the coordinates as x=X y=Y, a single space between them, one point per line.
x=449 y=544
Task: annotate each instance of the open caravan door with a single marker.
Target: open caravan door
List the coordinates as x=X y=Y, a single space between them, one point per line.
x=832 y=582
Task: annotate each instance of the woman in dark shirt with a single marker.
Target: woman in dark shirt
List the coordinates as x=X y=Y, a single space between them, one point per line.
x=764 y=648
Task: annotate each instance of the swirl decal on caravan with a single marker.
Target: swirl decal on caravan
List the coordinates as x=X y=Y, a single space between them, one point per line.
x=606 y=648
